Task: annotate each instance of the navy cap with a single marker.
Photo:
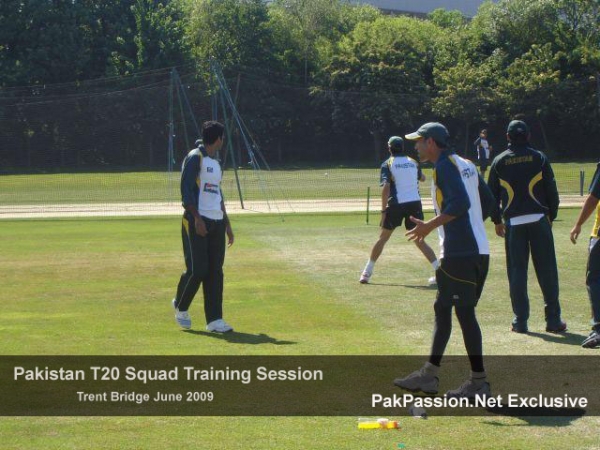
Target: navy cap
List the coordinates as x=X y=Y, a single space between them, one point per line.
x=396 y=143
x=434 y=130
x=517 y=128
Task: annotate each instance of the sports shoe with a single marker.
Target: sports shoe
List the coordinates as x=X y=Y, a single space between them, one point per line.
x=182 y=317
x=592 y=341
x=219 y=326
x=516 y=329
x=419 y=381
x=432 y=281
x=470 y=390
x=364 y=278
x=559 y=329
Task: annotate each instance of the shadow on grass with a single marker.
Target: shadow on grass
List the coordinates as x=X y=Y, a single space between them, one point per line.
x=242 y=338
x=540 y=416
x=410 y=286
x=562 y=338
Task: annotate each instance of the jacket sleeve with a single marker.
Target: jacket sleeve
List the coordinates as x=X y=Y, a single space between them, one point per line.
x=550 y=188
x=489 y=206
x=456 y=200
x=494 y=187
x=189 y=174
x=385 y=175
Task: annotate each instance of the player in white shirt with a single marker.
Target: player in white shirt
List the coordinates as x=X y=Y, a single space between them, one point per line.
x=204 y=226
x=400 y=199
x=484 y=149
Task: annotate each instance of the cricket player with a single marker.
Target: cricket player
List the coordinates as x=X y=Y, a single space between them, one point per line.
x=400 y=199
x=203 y=230
x=592 y=279
x=461 y=200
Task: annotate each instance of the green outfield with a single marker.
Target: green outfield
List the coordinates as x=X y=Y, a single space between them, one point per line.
x=323 y=183
x=103 y=287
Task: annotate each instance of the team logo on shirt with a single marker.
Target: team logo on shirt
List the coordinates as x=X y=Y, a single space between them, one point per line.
x=468 y=173
x=211 y=188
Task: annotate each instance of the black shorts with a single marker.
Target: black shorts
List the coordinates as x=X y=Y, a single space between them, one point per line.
x=395 y=214
x=484 y=163
x=460 y=280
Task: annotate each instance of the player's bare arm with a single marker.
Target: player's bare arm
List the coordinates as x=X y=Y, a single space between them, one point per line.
x=228 y=229
x=586 y=211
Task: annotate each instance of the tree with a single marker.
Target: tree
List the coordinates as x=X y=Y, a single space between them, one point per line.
x=380 y=76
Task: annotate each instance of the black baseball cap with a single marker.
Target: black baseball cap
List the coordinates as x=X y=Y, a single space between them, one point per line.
x=434 y=130
x=517 y=128
x=396 y=143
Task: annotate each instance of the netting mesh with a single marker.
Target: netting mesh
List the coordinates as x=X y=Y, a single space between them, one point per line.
x=102 y=147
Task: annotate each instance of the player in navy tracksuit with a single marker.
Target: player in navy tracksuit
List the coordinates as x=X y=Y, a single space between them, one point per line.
x=522 y=181
x=592 y=279
x=204 y=226
x=400 y=199
x=462 y=201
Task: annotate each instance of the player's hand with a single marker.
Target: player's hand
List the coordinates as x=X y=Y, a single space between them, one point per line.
x=575 y=232
x=420 y=231
x=500 y=230
x=200 y=226
x=230 y=236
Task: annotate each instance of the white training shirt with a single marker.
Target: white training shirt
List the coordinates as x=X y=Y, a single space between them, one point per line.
x=405 y=176
x=484 y=146
x=475 y=226
x=209 y=200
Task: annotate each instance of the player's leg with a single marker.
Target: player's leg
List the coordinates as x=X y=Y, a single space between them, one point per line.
x=195 y=255
x=212 y=285
x=475 y=269
x=417 y=211
x=516 y=243
x=592 y=282
x=388 y=225
x=544 y=263
x=426 y=378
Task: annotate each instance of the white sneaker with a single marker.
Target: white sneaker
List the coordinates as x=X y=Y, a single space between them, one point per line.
x=364 y=278
x=219 y=326
x=419 y=381
x=432 y=281
x=471 y=390
x=183 y=318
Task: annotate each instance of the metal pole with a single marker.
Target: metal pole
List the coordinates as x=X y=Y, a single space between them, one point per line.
x=581 y=182
x=170 y=161
x=368 y=201
x=228 y=125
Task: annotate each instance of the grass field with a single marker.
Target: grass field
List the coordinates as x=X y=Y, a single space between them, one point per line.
x=102 y=287
x=307 y=184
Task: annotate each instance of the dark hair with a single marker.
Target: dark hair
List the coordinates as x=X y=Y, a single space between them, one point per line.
x=211 y=131
x=441 y=145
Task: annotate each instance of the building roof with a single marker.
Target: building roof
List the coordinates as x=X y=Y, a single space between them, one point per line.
x=467 y=7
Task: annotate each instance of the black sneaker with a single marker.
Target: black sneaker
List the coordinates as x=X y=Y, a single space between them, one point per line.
x=516 y=329
x=559 y=329
x=592 y=341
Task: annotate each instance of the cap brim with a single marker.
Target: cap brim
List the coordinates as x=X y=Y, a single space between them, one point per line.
x=413 y=136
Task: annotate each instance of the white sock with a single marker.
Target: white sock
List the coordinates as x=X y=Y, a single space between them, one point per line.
x=369 y=267
x=435 y=264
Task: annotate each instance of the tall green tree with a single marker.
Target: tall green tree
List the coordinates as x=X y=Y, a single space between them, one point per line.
x=380 y=77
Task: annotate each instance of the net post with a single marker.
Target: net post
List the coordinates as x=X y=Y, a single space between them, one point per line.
x=581 y=182
x=228 y=126
x=368 y=202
